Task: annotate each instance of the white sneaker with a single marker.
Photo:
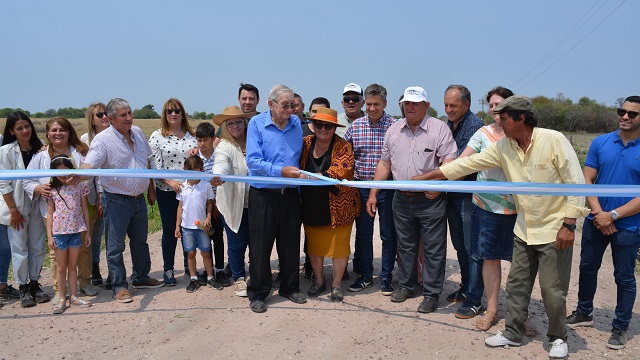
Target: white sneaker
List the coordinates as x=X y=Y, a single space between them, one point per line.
x=559 y=349
x=499 y=340
x=241 y=287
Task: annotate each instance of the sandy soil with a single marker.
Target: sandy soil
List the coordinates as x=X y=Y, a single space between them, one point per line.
x=169 y=323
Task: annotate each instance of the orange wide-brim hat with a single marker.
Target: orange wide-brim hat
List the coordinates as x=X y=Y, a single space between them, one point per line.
x=327 y=115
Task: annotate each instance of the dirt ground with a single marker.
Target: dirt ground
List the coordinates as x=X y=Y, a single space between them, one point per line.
x=168 y=323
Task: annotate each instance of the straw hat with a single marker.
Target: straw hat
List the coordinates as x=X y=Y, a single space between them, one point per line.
x=327 y=115
x=231 y=112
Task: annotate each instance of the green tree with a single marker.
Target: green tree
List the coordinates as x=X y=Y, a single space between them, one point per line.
x=147 y=112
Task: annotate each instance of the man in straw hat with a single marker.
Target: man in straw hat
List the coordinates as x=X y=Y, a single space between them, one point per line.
x=274 y=145
x=415 y=145
x=545 y=224
x=366 y=135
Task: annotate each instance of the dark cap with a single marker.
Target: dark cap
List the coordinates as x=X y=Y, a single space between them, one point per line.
x=514 y=103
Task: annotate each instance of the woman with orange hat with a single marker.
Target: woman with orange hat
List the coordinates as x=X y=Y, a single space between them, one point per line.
x=328 y=212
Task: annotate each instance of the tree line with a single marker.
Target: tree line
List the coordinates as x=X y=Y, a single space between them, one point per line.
x=559 y=113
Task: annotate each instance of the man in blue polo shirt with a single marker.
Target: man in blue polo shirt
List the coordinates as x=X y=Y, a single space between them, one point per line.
x=274 y=145
x=612 y=159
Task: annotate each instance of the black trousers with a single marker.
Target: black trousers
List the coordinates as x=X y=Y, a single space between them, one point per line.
x=273 y=216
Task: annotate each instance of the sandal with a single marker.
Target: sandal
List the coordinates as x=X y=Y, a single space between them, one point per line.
x=488 y=319
x=60 y=307
x=75 y=301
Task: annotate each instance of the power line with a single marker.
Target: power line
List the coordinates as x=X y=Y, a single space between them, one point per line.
x=564 y=39
x=574 y=46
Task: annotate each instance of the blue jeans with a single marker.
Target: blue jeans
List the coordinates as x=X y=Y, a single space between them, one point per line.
x=126 y=216
x=168 y=206
x=195 y=238
x=237 y=244
x=363 y=254
x=624 y=248
x=5 y=254
x=420 y=219
x=460 y=224
x=65 y=241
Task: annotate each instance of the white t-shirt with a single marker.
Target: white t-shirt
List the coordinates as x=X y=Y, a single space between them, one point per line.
x=194 y=203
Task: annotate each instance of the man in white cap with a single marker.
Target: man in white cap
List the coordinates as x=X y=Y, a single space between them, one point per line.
x=352 y=102
x=412 y=146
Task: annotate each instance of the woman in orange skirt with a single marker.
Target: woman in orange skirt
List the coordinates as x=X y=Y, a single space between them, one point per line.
x=328 y=212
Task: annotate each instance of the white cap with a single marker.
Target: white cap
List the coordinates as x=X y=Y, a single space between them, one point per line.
x=353 y=87
x=414 y=94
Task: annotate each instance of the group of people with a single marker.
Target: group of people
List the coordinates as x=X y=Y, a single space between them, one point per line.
x=535 y=233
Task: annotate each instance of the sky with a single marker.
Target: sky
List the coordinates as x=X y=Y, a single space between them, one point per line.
x=72 y=53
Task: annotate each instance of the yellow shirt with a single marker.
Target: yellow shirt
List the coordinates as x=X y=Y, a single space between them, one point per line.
x=550 y=158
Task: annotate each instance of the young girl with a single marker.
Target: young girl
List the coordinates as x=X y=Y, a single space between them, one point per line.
x=67 y=218
x=195 y=203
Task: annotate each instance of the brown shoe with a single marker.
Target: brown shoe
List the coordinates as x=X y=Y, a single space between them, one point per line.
x=150 y=283
x=123 y=296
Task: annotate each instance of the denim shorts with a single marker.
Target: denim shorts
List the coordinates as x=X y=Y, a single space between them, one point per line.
x=192 y=238
x=64 y=241
x=493 y=234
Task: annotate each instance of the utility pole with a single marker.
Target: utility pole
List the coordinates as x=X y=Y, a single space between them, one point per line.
x=482 y=102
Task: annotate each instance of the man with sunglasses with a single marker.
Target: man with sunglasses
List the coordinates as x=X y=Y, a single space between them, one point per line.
x=615 y=221
x=352 y=102
x=274 y=145
x=366 y=135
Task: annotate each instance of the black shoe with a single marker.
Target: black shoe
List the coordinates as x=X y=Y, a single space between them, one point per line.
x=317 y=289
x=336 y=294
x=36 y=291
x=193 y=286
x=456 y=296
x=202 y=277
x=428 y=305
x=618 y=339
x=222 y=278
x=579 y=319
x=296 y=297
x=213 y=283
x=107 y=283
x=26 y=300
x=360 y=284
x=276 y=281
x=227 y=271
x=258 y=306
x=96 y=278
x=401 y=295
x=9 y=292
x=468 y=312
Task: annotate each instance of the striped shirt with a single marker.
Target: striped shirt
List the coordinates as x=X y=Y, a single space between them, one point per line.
x=109 y=150
x=367 y=141
x=208 y=165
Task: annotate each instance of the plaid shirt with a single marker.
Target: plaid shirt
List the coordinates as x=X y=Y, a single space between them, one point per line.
x=367 y=141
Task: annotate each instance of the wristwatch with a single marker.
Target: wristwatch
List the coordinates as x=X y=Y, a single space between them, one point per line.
x=614 y=215
x=571 y=227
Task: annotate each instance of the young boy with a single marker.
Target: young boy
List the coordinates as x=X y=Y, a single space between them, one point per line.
x=194 y=217
x=206 y=135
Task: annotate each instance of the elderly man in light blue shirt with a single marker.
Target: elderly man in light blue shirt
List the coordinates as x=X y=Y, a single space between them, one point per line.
x=274 y=145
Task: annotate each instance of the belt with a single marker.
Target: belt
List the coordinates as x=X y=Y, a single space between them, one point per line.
x=129 y=196
x=279 y=191
x=412 y=193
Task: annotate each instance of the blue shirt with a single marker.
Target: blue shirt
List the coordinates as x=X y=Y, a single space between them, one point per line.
x=615 y=164
x=269 y=149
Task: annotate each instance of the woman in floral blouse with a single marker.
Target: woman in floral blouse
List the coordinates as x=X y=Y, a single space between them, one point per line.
x=170 y=144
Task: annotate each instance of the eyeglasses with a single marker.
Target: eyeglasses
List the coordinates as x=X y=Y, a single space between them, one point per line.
x=322 y=125
x=101 y=114
x=632 y=114
x=175 y=111
x=347 y=99
x=234 y=124
x=286 y=106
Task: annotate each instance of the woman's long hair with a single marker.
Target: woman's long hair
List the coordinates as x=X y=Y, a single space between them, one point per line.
x=12 y=119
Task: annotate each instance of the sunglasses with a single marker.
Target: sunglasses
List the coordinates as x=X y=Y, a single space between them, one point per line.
x=234 y=124
x=287 y=106
x=322 y=125
x=347 y=99
x=101 y=114
x=632 y=114
x=175 y=111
